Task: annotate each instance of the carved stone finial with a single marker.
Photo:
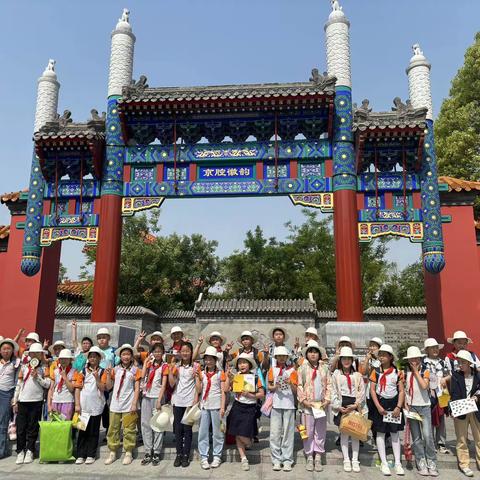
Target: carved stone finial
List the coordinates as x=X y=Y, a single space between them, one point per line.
x=399 y=106
x=65 y=119
x=417 y=50
x=51 y=65
x=315 y=78
x=323 y=81
x=336 y=6
x=125 y=16
x=136 y=87
x=366 y=106
x=96 y=117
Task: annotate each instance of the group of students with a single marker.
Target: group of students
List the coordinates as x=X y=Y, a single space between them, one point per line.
x=231 y=389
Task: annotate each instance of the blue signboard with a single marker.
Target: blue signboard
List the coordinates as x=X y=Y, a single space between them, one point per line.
x=230 y=172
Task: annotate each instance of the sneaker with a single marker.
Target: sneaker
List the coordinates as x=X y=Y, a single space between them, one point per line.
x=467 y=471
x=20 y=458
x=309 y=464
x=28 y=457
x=355 y=466
x=79 y=461
x=89 y=460
x=178 y=461
x=318 y=463
x=347 y=466
x=217 y=461
x=245 y=464
x=112 y=456
x=185 y=461
x=422 y=468
x=155 y=459
x=443 y=449
x=204 y=464
x=127 y=459
x=287 y=467
x=432 y=468
x=385 y=469
x=399 y=470
x=276 y=467
x=147 y=458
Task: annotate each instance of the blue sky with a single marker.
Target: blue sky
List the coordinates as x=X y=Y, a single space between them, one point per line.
x=200 y=42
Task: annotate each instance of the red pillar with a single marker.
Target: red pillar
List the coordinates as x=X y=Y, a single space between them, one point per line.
x=453 y=295
x=347 y=257
x=107 y=265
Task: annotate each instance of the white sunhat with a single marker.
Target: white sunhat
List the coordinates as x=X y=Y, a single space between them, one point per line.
x=162 y=419
x=216 y=334
x=125 y=346
x=311 y=344
x=36 y=348
x=192 y=415
x=282 y=329
x=386 y=348
x=345 y=339
x=211 y=352
x=413 y=352
x=13 y=343
x=66 y=353
x=376 y=340
x=459 y=335
x=281 y=351
x=346 y=352
x=246 y=333
x=466 y=355
x=431 y=342
x=58 y=343
x=103 y=331
x=311 y=331
x=33 y=336
x=245 y=356
x=154 y=334
x=97 y=350
x=175 y=330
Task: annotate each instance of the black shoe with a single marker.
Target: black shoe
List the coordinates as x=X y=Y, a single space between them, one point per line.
x=147 y=458
x=155 y=459
x=178 y=461
x=185 y=461
x=255 y=439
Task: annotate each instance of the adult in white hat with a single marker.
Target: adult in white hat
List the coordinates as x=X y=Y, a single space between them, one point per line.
x=417 y=400
x=61 y=393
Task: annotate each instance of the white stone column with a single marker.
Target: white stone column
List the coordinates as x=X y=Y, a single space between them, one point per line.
x=47 y=97
x=419 y=86
x=121 y=56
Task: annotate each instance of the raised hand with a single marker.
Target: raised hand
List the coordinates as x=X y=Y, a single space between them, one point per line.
x=228 y=346
x=296 y=345
x=201 y=339
x=45 y=344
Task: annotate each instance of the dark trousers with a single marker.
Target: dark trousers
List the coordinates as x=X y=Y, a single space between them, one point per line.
x=183 y=433
x=5 y=415
x=106 y=412
x=28 y=416
x=87 y=441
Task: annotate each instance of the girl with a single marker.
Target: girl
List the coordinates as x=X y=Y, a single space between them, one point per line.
x=348 y=395
x=154 y=384
x=32 y=383
x=460 y=341
x=465 y=383
x=89 y=398
x=216 y=340
x=30 y=339
x=282 y=382
x=81 y=351
x=311 y=333
x=54 y=351
x=418 y=401
x=314 y=387
x=9 y=368
x=125 y=380
x=343 y=341
x=438 y=369
x=387 y=395
x=242 y=417
x=210 y=386
x=176 y=334
x=181 y=377
x=61 y=397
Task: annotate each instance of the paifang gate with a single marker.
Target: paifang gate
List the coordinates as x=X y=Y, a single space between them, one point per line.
x=376 y=171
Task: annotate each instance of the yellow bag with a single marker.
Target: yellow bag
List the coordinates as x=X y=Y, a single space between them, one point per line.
x=443 y=399
x=355 y=425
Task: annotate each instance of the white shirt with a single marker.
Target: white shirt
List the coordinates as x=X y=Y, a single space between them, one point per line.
x=184 y=392
x=420 y=397
x=8 y=374
x=469 y=384
x=122 y=398
x=214 y=397
x=436 y=367
x=343 y=384
x=154 y=390
x=391 y=385
x=33 y=389
x=64 y=395
x=284 y=399
x=92 y=400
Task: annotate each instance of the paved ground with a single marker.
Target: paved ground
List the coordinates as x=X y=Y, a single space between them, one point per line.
x=259 y=459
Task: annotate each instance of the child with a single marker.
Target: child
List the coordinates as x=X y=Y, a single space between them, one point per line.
x=54 y=351
x=348 y=395
x=28 y=403
x=210 y=386
x=460 y=341
x=216 y=340
x=152 y=339
x=124 y=403
x=438 y=369
x=81 y=351
x=314 y=387
x=177 y=336
x=311 y=333
x=282 y=382
x=387 y=395
x=246 y=340
x=343 y=341
x=9 y=368
x=90 y=399
x=465 y=383
x=182 y=380
x=242 y=417
x=155 y=378
x=418 y=401
x=61 y=393
x=279 y=336
x=30 y=339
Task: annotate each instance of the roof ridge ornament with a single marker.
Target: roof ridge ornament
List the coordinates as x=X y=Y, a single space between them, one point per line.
x=336 y=7
x=96 y=117
x=322 y=80
x=137 y=87
x=65 y=119
x=125 y=16
x=417 y=49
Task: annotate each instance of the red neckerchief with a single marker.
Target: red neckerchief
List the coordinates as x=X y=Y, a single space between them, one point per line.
x=452 y=355
x=209 y=376
x=314 y=373
x=61 y=382
x=151 y=375
x=383 y=379
x=349 y=381
x=280 y=372
x=219 y=349
x=124 y=374
x=410 y=387
x=176 y=347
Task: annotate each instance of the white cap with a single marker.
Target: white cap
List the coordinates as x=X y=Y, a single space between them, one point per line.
x=311 y=344
x=466 y=355
x=431 y=342
x=345 y=339
x=98 y=350
x=103 y=331
x=376 y=340
x=175 y=330
x=125 y=346
x=311 y=331
x=13 y=343
x=246 y=333
x=281 y=351
x=413 y=352
x=66 y=353
x=211 y=352
x=346 y=352
x=245 y=356
x=36 y=348
x=282 y=329
x=216 y=334
x=386 y=348
x=459 y=335
x=58 y=343
x=33 y=336
x=154 y=334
